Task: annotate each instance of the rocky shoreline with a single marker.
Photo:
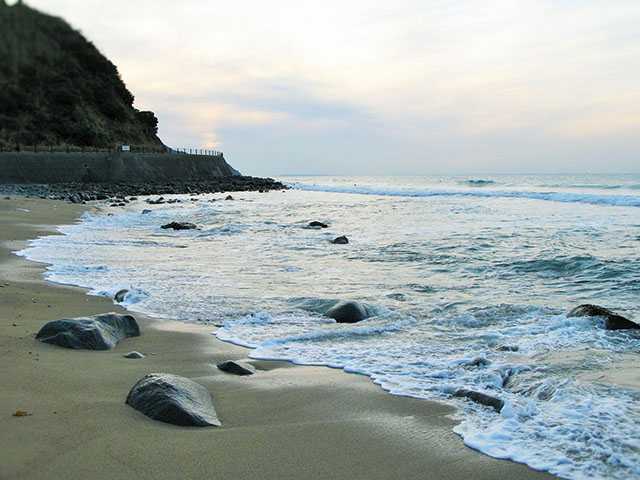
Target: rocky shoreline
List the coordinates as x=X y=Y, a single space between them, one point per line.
x=81 y=192
x=56 y=404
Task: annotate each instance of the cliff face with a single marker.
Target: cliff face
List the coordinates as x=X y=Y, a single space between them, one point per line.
x=56 y=87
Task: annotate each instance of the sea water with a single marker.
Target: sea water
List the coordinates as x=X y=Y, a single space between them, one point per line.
x=467 y=280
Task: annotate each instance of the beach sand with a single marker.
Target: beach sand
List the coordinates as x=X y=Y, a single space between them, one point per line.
x=285 y=422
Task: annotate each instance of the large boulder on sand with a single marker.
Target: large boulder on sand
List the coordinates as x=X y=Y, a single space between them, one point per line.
x=173 y=399
x=612 y=321
x=347 y=312
x=100 y=332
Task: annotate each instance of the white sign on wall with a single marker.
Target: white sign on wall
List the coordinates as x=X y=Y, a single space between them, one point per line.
x=126 y=148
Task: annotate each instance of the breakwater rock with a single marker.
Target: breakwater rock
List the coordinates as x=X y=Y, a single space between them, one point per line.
x=78 y=192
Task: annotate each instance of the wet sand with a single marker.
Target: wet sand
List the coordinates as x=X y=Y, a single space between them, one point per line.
x=285 y=422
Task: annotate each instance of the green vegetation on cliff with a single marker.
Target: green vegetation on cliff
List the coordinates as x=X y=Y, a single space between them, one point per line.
x=57 y=88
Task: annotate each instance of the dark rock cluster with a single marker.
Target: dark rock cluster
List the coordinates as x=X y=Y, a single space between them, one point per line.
x=117 y=193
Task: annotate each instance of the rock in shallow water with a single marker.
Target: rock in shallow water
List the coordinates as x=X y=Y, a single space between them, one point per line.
x=481 y=398
x=612 y=321
x=179 y=226
x=347 y=312
x=237 y=368
x=100 y=332
x=340 y=240
x=120 y=294
x=318 y=224
x=173 y=399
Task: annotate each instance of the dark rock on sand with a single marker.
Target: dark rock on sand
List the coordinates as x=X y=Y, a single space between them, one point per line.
x=157 y=201
x=179 y=226
x=100 y=332
x=612 y=321
x=318 y=224
x=228 y=197
x=340 y=240
x=237 y=368
x=120 y=294
x=173 y=399
x=481 y=398
x=347 y=312
x=133 y=354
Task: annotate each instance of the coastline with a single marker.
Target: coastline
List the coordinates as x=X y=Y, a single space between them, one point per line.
x=287 y=421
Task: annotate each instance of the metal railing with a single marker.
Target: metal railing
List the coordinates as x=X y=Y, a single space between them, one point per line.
x=124 y=149
x=196 y=151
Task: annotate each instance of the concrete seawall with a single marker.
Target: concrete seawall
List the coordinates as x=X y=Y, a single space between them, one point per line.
x=29 y=167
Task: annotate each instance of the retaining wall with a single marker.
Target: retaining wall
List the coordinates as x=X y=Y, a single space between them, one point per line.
x=29 y=167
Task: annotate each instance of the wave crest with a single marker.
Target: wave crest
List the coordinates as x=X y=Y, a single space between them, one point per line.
x=563 y=197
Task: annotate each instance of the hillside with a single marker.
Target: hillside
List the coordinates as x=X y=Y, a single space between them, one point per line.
x=56 y=87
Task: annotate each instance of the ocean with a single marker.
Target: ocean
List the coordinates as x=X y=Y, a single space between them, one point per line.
x=467 y=280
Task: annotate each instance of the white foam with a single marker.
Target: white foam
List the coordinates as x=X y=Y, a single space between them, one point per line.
x=594 y=199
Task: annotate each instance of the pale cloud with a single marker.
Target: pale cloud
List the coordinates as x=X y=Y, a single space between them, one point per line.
x=491 y=81
x=602 y=125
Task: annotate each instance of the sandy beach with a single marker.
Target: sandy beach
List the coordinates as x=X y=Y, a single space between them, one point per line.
x=286 y=421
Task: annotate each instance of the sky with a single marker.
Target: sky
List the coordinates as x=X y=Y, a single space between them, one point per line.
x=378 y=87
